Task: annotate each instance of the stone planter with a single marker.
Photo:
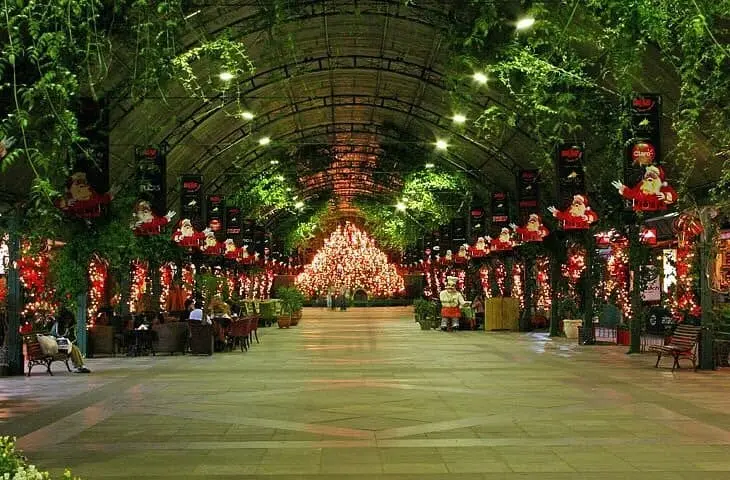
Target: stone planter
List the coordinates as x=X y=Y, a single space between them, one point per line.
x=296 y=316
x=284 y=321
x=570 y=328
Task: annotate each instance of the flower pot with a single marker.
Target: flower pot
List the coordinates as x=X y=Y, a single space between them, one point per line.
x=296 y=316
x=284 y=321
x=623 y=337
x=425 y=324
x=570 y=328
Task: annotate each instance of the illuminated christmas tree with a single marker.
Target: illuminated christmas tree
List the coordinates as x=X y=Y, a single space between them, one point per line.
x=350 y=260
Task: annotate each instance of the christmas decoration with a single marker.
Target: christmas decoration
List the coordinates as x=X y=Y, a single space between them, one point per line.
x=652 y=193
x=167 y=275
x=211 y=246
x=503 y=242
x=615 y=284
x=484 y=274
x=146 y=223
x=97 y=274
x=517 y=285
x=500 y=277
x=80 y=200
x=578 y=216
x=33 y=273
x=188 y=279
x=230 y=251
x=186 y=235
x=682 y=296
x=350 y=260
x=462 y=256
x=533 y=231
x=138 y=285
x=575 y=265
x=480 y=249
x=544 y=291
x=447 y=259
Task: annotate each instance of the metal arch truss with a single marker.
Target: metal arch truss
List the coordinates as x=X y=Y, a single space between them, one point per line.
x=324 y=130
x=239 y=135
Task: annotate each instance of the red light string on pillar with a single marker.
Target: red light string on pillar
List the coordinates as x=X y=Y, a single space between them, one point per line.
x=484 y=277
x=188 y=279
x=517 y=284
x=544 y=291
x=138 y=285
x=167 y=275
x=615 y=284
x=500 y=277
x=33 y=273
x=97 y=274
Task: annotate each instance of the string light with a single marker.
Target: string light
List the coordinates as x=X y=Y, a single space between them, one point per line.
x=188 y=279
x=350 y=260
x=484 y=275
x=33 y=273
x=615 y=284
x=518 y=290
x=138 y=284
x=544 y=290
x=500 y=276
x=97 y=274
x=167 y=275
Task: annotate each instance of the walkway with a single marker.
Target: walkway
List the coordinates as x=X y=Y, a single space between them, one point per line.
x=366 y=395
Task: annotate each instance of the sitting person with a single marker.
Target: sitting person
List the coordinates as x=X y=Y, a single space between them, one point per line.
x=196 y=315
x=59 y=330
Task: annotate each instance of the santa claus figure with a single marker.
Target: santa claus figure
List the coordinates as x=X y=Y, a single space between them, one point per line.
x=451 y=302
x=503 y=241
x=578 y=215
x=448 y=259
x=244 y=258
x=211 y=245
x=230 y=250
x=146 y=223
x=462 y=256
x=80 y=199
x=480 y=249
x=533 y=231
x=652 y=193
x=186 y=235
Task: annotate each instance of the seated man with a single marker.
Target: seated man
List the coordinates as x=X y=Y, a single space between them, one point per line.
x=59 y=332
x=196 y=315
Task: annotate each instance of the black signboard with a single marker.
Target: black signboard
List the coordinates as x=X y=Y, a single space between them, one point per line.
x=150 y=166
x=247 y=234
x=571 y=175
x=500 y=209
x=643 y=145
x=234 y=225
x=458 y=233
x=93 y=156
x=216 y=215
x=528 y=194
x=191 y=199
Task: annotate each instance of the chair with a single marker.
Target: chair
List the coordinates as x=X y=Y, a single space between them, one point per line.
x=239 y=332
x=101 y=339
x=683 y=344
x=34 y=355
x=171 y=337
x=253 y=328
x=200 y=338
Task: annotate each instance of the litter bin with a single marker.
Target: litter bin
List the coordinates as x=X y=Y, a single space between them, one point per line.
x=570 y=328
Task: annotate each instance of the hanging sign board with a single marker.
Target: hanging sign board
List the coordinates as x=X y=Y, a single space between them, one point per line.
x=234 y=224
x=528 y=194
x=150 y=166
x=216 y=215
x=191 y=200
x=571 y=176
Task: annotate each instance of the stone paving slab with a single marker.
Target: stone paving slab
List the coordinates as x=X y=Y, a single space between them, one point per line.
x=365 y=394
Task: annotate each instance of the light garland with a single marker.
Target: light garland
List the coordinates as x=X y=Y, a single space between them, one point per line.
x=544 y=290
x=33 y=275
x=138 y=284
x=518 y=290
x=683 y=299
x=97 y=273
x=615 y=284
x=350 y=260
x=500 y=276
x=167 y=275
x=484 y=274
x=188 y=279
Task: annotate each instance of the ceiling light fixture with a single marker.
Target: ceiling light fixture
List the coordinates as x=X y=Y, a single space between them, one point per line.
x=441 y=145
x=299 y=204
x=192 y=14
x=524 y=23
x=400 y=206
x=225 y=76
x=274 y=162
x=280 y=178
x=246 y=115
x=263 y=141
x=429 y=165
x=459 y=118
x=480 y=78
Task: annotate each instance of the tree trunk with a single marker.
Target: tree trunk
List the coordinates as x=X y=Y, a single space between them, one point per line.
x=13 y=340
x=636 y=305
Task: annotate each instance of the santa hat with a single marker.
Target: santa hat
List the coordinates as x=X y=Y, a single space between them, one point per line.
x=534 y=216
x=78 y=177
x=480 y=239
x=143 y=205
x=505 y=230
x=185 y=222
x=582 y=199
x=228 y=241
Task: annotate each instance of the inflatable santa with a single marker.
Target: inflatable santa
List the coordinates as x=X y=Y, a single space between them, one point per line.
x=652 y=193
x=462 y=255
x=578 y=216
x=451 y=302
x=480 y=249
x=533 y=231
x=230 y=251
x=186 y=235
x=80 y=199
x=146 y=223
x=503 y=242
x=211 y=245
x=447 y=259
x=244 y=257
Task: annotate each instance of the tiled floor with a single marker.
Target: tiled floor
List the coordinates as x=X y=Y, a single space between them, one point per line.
x=365 y=394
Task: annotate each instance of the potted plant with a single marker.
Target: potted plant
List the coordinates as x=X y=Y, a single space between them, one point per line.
x=572 y=318
x=292 y=302
x=422 y=309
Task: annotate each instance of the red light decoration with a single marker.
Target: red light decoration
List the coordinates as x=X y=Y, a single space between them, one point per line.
x=350 y=260
x=97 y=273
x=615 y=284
x=138 y=284
x=500 y=276
x=33 y=274
x=167 y=275
x=682 y=297
x=544 y=291
x=518 y=290
x=188 y=279
x=484 y=274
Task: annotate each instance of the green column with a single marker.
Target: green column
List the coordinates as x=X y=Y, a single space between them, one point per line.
x=706 y=356
x=81 y=335
x=588 y=294
x=14 y=301
x=554 y=310
x=529 y=283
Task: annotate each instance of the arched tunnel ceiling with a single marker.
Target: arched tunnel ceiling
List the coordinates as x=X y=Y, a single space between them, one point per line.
x=331 y=73
x=367 y=73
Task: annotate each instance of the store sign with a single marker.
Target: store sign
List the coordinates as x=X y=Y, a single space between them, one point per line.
x=652 y=292
x=669 y=269
x=216 y=215
x=151 y=170
x=571 y=175
x=528 y=194
x=643 y=140
x=500 y=209
x=191 y=200
x=234 y=224
x=648 y=236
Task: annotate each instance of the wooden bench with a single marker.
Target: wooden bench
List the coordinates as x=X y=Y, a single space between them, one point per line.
x=35 y=356
x=682 y=345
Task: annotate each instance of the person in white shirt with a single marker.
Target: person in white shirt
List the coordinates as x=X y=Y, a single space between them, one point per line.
x=196 y=315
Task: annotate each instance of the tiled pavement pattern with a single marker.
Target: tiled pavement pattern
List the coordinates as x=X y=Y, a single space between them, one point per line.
x=365 y=394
